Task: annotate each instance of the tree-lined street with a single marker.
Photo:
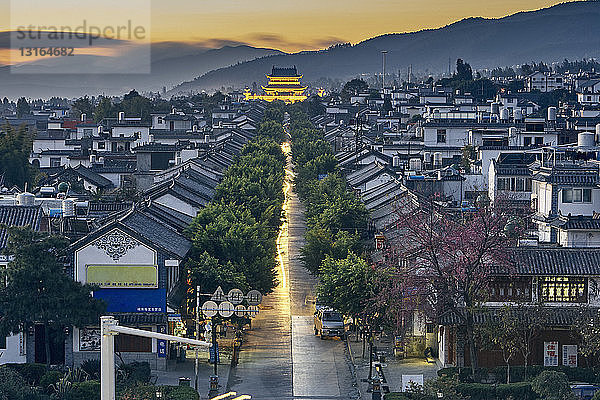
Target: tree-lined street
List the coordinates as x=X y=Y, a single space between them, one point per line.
x=282 y=358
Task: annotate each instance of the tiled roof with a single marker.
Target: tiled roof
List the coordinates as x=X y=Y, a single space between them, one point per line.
x=557 y=261
x=157 y=233
x=93 y=177
x=557 y=316
x=19 y=216
x=578 y=222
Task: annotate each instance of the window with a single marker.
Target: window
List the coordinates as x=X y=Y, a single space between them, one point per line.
x=528 y=184
x=563 y=289
x=502 y=183
x=87 y=132
x=129 y=343
x=527 y=141
x=55 y=162
x=589 y=98
x=2 y=342
x=520 y=185
x=101 y=145
x=159 y=120
x=510 y=289
x=558 y=80
x=539 y=140
x=577 y=195
x=567 y=195
x=441 y=136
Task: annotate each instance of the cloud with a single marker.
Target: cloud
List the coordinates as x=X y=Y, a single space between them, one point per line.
x=265 y=39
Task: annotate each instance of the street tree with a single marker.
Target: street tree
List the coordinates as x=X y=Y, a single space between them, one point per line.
x=347 y=284
x=271 y=129
x=37 y=289
x=499 y=332
x=587 y=328
x=448 y=259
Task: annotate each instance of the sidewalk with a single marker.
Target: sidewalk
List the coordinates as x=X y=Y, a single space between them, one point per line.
x=393 y=367
x=186 y=369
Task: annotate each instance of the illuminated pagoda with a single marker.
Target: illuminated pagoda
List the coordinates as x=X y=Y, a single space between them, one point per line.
x=284 y=84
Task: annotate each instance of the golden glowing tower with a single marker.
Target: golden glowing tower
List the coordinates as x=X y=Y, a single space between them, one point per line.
x=284 y=84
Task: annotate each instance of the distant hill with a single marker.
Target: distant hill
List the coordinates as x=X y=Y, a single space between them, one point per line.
x=171 y=64
x=568 y=30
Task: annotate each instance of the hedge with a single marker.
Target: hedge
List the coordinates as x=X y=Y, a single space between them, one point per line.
x=88 y=390
x=517 y=373
x=32 y=373
x=481 y=391
x=169 y=393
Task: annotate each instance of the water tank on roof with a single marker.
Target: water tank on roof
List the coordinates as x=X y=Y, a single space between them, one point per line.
x=68 y=208
x=518 y=114
x=551 y=113
x=25 y=199
x=586 y=139
x=504 y=114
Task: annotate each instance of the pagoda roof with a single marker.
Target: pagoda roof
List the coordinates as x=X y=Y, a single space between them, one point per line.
x=284 y=72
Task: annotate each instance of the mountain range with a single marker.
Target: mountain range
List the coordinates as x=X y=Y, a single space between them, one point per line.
x=171 y=63
x=567 y=30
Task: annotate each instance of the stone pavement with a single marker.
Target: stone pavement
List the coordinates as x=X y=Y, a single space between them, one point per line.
x=393 y=367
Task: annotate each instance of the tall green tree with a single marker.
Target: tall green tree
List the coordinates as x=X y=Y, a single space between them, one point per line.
x=353 y=88
x=83 y=105
x=23 y=107
x=347 y=284
x=15 y=146
x=38 y=291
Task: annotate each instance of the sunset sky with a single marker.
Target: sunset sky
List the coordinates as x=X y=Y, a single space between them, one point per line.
x=283 y=24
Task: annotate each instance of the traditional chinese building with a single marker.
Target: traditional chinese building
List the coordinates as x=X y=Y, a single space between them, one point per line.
x=284 y=84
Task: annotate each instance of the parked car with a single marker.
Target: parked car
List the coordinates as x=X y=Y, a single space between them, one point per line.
x=584 y=391
x=329 y=323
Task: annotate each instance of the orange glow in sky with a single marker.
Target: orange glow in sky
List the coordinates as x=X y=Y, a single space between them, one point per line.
x=289 y=25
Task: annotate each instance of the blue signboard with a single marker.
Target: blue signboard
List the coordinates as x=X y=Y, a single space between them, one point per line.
x=162 y=344
x=211 y=351
x=133 y=300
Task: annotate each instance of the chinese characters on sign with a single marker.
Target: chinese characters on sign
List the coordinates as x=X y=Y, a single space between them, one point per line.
x=550 y=354
x=570 y=355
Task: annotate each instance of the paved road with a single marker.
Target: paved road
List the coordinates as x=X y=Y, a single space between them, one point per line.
x=282 y=359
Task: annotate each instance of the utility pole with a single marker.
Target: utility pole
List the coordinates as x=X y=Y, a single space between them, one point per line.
x=383 y=54
x=197 y=335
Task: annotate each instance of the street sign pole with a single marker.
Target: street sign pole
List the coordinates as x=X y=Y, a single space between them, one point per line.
x=197 y=335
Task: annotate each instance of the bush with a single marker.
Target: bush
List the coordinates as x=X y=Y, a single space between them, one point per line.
x=552 y=385
x=481 y=391
x=32 y=373
x=49 y=378
x=92 y=368
x=135 y=373
x=88 y=390
x=169 y=393
x=465 y=374
x=14 y=387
